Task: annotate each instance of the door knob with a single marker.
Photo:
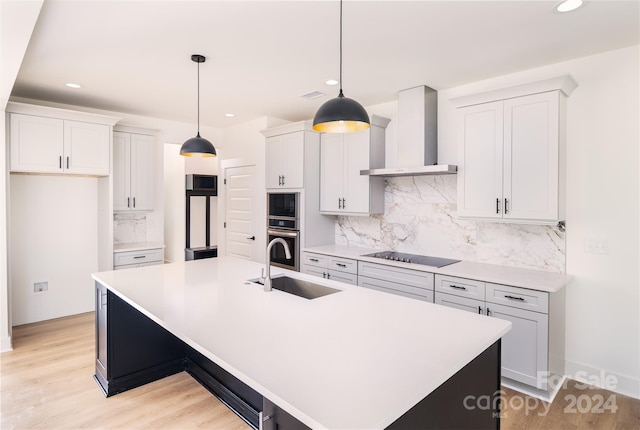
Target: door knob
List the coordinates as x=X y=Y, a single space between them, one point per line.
x=252 y=238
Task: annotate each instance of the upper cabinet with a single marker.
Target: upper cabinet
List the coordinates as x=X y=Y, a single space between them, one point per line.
x=48 y=140
x=285 y=159
x=343 y=191
x=512 y=155
x=133 y=160
x=291 y=157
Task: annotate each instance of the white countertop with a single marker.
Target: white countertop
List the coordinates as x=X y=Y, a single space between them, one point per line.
x=525 y=278
x=137 y=246
x=356 y=359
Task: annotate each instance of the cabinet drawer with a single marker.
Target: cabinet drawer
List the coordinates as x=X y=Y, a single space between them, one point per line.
x=137 y=257
x=396 y=288
x=414 y=278
x=522 y=298
x=317 y=260
x=460 y=287
x=347 y=278
x=343 y=265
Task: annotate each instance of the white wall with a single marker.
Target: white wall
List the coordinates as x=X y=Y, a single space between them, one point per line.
x=54 y=239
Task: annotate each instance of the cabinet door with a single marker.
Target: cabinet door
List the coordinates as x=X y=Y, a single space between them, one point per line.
x=142 y=162
x=274 y=161
x=86 y=148
x=293 y=171
x=314 y=270
x=356 y=155
x=36 y=144
x=121 y=171
x=531 y=157
x=332 y=170
x=462 y=303
x=524 y=348
x=285 y=161
x=480 y=158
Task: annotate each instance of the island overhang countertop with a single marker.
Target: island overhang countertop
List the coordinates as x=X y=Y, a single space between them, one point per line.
x=358 y=358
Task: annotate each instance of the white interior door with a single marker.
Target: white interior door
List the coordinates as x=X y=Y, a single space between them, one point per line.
x=240 y=212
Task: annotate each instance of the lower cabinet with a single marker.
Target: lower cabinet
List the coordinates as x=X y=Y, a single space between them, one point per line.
x=140 y=258
x=531 y=352
x=396 y=280
x=273 y=417
x=329 y=267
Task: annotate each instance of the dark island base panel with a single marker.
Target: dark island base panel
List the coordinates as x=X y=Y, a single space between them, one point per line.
x=138 y=351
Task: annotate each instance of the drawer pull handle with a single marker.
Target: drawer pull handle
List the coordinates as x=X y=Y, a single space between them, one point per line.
x=140 y=256
x=315 y=260
x=341 y=265
x=515 y=298
x=458 y=287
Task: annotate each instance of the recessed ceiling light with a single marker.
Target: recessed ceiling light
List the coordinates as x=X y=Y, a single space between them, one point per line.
x=569 y=5
x=229 y=115
x=72 y=85
x=331 y=82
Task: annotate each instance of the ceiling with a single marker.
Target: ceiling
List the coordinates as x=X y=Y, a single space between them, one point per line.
x=134 y=56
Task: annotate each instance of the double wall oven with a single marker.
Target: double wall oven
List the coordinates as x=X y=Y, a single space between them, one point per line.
x=283 y=222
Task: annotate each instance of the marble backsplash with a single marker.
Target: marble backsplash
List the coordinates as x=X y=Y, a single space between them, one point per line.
x=420 y=218
x=129 y=228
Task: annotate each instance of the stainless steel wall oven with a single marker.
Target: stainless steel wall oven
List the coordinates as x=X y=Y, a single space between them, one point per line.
x=282 y=222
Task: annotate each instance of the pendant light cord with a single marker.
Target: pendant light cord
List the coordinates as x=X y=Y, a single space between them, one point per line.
x=340 y=95
x=198 y=99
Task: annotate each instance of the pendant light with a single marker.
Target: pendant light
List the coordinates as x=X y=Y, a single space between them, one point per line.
x=342 y=114
x=198 y=146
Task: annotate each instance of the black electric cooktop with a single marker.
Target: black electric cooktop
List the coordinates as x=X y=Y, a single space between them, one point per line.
x=412 y=258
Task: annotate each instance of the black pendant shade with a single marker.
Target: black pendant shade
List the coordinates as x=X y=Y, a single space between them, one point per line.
x=342 y=114
x=198 y=146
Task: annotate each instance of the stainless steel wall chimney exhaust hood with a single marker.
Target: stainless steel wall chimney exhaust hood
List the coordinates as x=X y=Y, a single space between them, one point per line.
x=417 y=136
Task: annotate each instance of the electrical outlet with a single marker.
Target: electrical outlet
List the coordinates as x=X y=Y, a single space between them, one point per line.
x=40 y=287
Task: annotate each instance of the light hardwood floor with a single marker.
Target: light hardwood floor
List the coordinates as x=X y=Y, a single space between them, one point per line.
x=47 y=382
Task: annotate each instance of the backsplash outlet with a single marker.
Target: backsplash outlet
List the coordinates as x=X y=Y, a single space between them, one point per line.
x=420 y=218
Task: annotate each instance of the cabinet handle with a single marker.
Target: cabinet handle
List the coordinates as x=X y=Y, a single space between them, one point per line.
x=497 y=206
x=60 y=162
x=515 y=298
x=341 y=265
x=488 y=312
x=140 y=256
x=480 y=310
x=506 y=206
x=339 y=203
x=134 y=202
x=282 y=179
x=457 y=287
x=324 y=275
x=128 y=202
x=315 y=260
x=328 y=275
x=279 y=180
x=67 y=162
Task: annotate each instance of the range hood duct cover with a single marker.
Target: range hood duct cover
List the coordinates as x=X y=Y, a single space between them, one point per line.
x=417 y=136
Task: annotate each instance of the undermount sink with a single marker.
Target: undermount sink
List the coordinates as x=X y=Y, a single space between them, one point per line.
x=298 y=287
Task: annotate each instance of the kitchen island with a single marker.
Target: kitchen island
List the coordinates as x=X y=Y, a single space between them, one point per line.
x=355 y=359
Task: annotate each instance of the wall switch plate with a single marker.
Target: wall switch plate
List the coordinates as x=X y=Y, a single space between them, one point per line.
x=596 y=246
x=40 y=287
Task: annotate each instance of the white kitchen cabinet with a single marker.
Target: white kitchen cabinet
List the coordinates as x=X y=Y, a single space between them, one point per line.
x=52 y=145
x=285 y=161
x=329 y=267
x=415 y=284
x=343 y=191
x=528 y=350
x=511 y=163
x=138 y=258
x=133 y=161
